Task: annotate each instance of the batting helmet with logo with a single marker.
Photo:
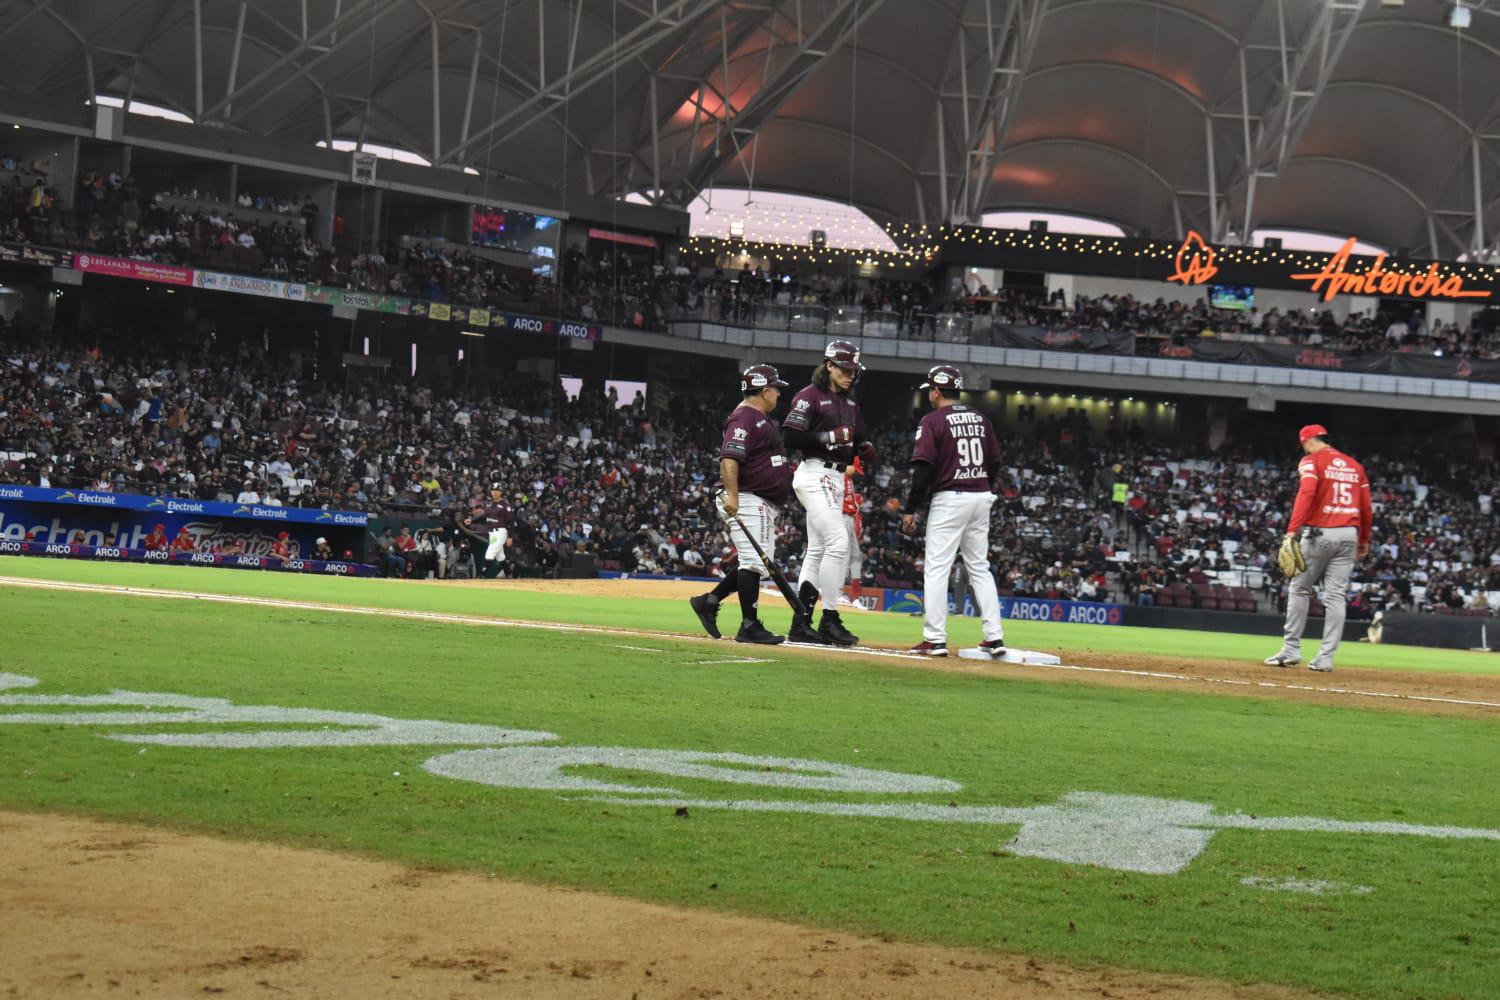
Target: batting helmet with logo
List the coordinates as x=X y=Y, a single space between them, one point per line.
x=943 y=377
x=843 y=354
x=758 y=377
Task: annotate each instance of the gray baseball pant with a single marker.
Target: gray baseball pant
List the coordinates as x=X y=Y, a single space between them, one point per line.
x=1330 y=559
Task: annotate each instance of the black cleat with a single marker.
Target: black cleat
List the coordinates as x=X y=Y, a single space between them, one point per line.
x=994 y=647
x=831 y=628
x=708 y=613
x=751 y=630
x=802 y=631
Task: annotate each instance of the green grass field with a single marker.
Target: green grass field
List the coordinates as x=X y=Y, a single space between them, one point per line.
x=674 y=615
x=1402 y=915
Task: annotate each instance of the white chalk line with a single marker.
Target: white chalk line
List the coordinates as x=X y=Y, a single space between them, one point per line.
x=438 y=616
x=406 y=613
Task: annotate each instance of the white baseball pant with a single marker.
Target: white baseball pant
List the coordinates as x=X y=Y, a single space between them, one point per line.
x=496 y=550
x=959 y=523
x=820 y=488
x=759 y=518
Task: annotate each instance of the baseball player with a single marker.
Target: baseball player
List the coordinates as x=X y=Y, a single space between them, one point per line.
x=955 y=460
x=755 y=482
x=824 y=423
x=491 y=525
x=1329 y=528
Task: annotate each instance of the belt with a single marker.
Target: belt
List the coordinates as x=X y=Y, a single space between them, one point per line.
x=835 y=466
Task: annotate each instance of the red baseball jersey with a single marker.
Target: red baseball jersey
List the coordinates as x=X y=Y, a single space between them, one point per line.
x=1334 y=492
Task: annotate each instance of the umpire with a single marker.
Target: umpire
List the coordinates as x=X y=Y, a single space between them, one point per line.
x=1328 y=530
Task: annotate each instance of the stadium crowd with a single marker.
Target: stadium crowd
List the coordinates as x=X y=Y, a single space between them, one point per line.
x=112 y=216
x=632 y=486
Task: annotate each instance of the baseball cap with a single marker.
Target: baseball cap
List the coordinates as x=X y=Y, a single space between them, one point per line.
x=322 y=541
x=943 y=377
x=1312 y=431
x=760 y=377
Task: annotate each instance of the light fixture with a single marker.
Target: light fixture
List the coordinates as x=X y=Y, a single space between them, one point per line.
x=1459 y=16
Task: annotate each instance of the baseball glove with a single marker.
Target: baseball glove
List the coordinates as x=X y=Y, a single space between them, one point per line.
x=1289 y=557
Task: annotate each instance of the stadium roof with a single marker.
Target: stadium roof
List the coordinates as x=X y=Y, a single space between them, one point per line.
x=1368 y=117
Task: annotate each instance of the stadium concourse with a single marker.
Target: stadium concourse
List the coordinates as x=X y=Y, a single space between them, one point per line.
x=118 y=410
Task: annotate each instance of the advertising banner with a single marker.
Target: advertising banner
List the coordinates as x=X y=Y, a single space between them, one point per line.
x=556 y=328
x=245 y=284
x=117 y=520
x=1025 y=609
x=176 y=505
x=139 y=270
x=110 y=553
x=369 y=301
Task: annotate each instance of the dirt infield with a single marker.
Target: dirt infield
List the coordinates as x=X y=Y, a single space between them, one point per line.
x=92 y=908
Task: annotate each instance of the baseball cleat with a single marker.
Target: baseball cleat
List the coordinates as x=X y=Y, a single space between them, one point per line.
x=930 y=648
x=994 y=647
x=751 y=630
x=802 y=631
x=831 y=628
x=1282 y=660
x=708 y=613
x=1322 y=668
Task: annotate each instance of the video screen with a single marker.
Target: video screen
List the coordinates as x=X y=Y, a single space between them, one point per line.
x=1239 y=297
x=520 y=232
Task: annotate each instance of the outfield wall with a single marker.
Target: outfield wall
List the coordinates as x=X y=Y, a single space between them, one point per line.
x=1238 y=622
x=101 y=519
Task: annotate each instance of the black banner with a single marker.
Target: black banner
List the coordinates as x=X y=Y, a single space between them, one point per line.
x=25 y=253
x=1039 y=339
x=1325 y=359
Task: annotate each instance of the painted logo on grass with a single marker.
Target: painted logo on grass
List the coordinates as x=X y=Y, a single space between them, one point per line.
x=1122 y=832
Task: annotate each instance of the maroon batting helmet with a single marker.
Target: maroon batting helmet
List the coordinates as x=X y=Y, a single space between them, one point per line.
x=843 y=354
x=758 y=377
x=944 y=377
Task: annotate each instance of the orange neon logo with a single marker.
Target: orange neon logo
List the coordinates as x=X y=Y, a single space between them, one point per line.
x=1333 y=280
x=1195 y=261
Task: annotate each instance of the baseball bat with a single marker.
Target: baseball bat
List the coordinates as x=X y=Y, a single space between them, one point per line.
x=776 y=575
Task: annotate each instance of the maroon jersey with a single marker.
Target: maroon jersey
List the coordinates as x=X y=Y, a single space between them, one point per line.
x=816 y=410
x=492 y=516
x=751 y=439
x=961 y=447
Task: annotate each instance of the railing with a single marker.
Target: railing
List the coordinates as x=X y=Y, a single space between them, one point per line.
x=836 y=321
x=1230 y=379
